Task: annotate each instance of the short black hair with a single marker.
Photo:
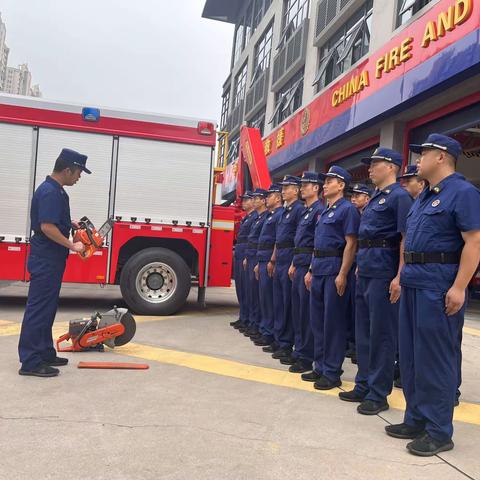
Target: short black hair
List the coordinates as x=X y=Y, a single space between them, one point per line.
x=61 y=165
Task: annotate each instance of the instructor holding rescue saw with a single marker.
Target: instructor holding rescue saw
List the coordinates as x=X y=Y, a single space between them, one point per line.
x=50 y=244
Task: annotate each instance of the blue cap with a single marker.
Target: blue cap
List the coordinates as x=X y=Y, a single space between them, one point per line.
x=337 y=172
x=410 y=171
x=361 y=188
x=247 y=195
x=310 y=177
x=440 y=142
x=74 y=158
x=290 y=180
x=385 y=154
x=275 y=188
x=260 y=192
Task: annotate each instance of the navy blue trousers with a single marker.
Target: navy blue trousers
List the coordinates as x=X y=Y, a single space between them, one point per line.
x=282 y=305
x=266 y=300
x=429 y=360
x=252 y=294
x=328 y=317
x=351 y=309
x=376 y=338
x=301 y=316
x=240 y=275
x=36 y=342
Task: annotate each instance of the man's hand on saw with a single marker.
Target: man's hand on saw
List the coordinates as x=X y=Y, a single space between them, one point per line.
x=75 y=225
x=77 y=247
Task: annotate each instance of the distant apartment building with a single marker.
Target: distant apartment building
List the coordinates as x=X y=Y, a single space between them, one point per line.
x=4 y=51
x=19 y=80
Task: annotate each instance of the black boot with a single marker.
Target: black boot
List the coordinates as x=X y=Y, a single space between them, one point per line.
x=402 y=430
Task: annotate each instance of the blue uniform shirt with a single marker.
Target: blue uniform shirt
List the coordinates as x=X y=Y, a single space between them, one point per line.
x=50 y=204
x=384 y=218
x=335 y=223
x=434 y=224
x=268 y=234
x=243 y=232
x=304 y=237
x=286 y=230
x=255 y=230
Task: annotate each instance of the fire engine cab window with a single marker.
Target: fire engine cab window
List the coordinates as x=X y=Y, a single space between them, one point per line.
x=406 y=9
x=345 y=47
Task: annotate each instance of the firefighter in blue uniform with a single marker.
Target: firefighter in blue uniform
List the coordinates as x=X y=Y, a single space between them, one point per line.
x=49 y=247
x=259 y=198
x=302 y=256
x=442 y=252
x=379 y=261
x=329 y=281
x=280 y=264
x=239 y=254
x=266 y=244
x=411 y=181
x=361 y=194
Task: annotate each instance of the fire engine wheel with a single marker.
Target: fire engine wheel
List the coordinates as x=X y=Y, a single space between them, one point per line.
x=155 y=281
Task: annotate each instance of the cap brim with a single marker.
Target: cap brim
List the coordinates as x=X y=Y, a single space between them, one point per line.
x=86 y=170
x=415 y=148
x=366 y=160
x=361 y=192
x=408 y=175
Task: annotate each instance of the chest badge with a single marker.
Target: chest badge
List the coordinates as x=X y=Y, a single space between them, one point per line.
x=287 y=215
x=306 y=216
x=381 y=201
x=435 y=203
x=331 y=214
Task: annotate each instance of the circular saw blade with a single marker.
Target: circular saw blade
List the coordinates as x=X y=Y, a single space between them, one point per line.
x=128 y=322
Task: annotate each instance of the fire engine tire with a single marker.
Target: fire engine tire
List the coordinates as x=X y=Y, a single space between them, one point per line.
x=155 y=281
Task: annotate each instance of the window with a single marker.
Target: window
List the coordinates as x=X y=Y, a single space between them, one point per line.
x=260 y=8
x=408 y=8
x=258 y=121
x=248 y=22
x=295 y=12
x=225 y=107
x=240 y=86
x=288 y=99
x=263 y=51
x=350 y=43
x=239 y=44
x=233 y=149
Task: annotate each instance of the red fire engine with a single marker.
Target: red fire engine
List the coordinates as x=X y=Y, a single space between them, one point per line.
x=156 y=176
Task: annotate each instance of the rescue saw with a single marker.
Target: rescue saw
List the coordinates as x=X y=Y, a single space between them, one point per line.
x=91 y=238
x=113 y=329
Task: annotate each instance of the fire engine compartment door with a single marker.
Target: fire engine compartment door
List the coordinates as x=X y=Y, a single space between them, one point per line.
x=90 y=196
x=164 y=181
x=16 y=153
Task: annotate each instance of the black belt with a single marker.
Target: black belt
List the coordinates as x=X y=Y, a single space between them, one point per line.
x=285 y=245
x=300 y=250
x=327 y=253
x=265 y=246
x=432 y=257
x=252 y=246
x=377 y=243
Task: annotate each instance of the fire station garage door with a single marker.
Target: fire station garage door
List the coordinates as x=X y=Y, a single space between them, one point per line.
x=16 y=153
x=90 y=196
x=163 y=181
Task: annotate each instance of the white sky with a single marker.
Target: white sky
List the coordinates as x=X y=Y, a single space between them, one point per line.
x=150 y=55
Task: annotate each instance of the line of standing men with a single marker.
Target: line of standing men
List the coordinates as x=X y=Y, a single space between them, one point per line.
x=399 y=268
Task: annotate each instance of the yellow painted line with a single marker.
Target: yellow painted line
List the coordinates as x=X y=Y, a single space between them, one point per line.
x=465 y=412
x=471 y=331
x=5 y=322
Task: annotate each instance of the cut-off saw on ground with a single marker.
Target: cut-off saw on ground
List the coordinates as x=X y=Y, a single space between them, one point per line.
x=113 y=329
